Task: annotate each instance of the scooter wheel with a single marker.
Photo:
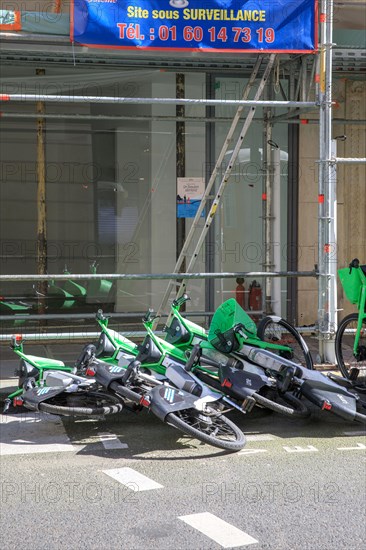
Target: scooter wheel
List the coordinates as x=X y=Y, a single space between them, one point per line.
x=276 y=330
x=85 y=404
x=298 y=409
x=344 y=347
x=210 y=427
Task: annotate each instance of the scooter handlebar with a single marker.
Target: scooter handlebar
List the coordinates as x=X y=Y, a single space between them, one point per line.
x=149 y=316
x=355 y=263
x=178 y=302
x=100 y=315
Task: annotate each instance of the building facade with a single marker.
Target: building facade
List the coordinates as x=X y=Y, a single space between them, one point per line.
x=110 y=170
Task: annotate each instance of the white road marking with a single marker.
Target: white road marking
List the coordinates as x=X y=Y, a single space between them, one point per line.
x=132 y=479
x=33 y=433
x=355 y=433
x=218 y=530
x=359 y=447
x=259 y=437
x=251 y=451
x=111 y=441
x=299 y=449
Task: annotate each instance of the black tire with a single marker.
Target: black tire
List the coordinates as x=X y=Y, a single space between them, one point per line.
x=220 y=432
x=298 y=409
x=359 y=417
x=90 y=403
x=344 y=342
x=276 y=330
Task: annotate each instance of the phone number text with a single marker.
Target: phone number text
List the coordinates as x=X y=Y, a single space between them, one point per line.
x=132 y=31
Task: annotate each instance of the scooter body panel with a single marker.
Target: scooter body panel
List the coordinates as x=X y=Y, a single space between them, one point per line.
x=33 y=397
x=166 y=399
x=326 y=394
x=241 y=383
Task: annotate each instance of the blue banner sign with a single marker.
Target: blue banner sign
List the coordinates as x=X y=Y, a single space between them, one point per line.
x=197 y=25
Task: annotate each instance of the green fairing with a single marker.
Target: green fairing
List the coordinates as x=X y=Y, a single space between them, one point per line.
x=41 y=363
x=227 y=316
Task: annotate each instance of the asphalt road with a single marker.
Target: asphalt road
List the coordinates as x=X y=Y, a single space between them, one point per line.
x=130 y=482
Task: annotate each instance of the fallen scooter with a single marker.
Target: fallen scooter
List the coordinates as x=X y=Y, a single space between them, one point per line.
x=232 y=332
x=198 y=416
x=316 y=387
x=48 y=385
x=252 y=385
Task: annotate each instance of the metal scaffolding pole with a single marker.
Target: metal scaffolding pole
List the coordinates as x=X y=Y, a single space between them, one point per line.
x=41 y=201
x=154 y=276
x=286 y=118
x=327 y=198
x=349 y=160
x=151 y=100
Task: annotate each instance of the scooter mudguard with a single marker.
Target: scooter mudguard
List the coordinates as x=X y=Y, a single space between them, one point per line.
x=104 y=346
x=177 y=333
x=106 y=349
x=124 y=359
x=33 y=397
x=327 y=395
x=241 y=383
x=165 y=400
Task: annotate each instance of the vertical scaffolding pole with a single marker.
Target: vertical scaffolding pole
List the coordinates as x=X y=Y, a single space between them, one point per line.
x=267 y=209
x=276 y=230
x=41 y=202
x=327 y=223
x=180 y=156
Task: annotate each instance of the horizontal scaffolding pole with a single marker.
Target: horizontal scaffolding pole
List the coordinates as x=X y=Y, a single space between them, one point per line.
x=83 y=316
x=40 y=336
x=286 y=118
x=151 y=100
x=155 y=276
x=349 y=160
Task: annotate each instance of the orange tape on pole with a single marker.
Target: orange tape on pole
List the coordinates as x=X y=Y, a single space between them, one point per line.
x=15 y=25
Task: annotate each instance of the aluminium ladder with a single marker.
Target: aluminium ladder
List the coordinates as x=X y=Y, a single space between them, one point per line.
x=184 y=252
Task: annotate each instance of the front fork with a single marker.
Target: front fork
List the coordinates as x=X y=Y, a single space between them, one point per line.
x=361 y=318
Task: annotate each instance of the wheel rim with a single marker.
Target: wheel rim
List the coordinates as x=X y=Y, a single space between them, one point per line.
x=216 y=426
x=277 y=334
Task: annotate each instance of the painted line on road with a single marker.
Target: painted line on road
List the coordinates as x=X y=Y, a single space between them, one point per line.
x=32 y=433
x=260 y=437
x=132 y=479
x=111 y=441
x=363 y=432
x=299 y=449
x=251 y=452
x=218 y=530
x=358 y=447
